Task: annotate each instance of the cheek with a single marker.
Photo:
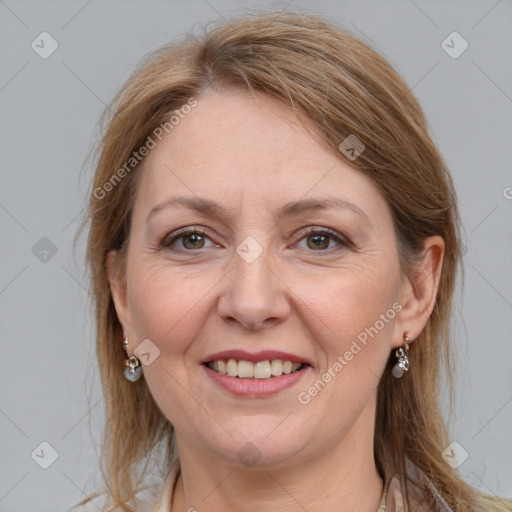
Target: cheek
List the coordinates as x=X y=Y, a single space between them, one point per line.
x=355 y=313
x=353 y=326
x=167 y=306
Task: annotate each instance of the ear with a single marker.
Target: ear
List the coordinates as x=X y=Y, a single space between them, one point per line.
x=118 y=290
x=418 y=294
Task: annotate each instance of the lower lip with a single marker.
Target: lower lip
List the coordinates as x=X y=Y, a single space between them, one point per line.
x=255 y=388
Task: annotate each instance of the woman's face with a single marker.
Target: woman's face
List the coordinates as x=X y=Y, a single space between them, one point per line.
x=252 y=285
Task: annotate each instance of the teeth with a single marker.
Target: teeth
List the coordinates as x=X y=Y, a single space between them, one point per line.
x=276 y=367
x=245 y=369
x=232 y=368
x=261 y=369
x=249 y=370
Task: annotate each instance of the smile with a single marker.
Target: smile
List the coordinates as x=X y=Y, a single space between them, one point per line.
x=254 y=370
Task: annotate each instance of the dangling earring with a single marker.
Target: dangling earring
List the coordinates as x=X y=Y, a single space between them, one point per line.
x=401 y=354
x=133 y=370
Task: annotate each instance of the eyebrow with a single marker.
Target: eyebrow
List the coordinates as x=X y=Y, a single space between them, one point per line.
x=214 y=209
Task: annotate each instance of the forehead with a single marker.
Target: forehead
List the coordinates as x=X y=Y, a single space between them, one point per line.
x=250 y=150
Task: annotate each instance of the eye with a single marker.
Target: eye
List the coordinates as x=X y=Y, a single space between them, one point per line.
x=319 y=239
x=191 y=238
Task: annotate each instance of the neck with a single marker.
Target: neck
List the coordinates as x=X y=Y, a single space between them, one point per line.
x=343 y=478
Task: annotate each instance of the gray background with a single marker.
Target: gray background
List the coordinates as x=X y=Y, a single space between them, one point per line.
x=50 y=108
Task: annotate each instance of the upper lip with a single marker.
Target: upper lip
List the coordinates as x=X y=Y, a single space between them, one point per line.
x=262 y=355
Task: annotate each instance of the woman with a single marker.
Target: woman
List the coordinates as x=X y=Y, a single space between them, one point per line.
x=274 y=241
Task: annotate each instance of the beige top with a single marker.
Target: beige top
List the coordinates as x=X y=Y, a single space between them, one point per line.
x=392 y=497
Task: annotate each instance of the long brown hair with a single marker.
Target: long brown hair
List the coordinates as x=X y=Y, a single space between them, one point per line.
x=346 y=88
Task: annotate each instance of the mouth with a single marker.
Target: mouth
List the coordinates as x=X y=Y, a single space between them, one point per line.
x=258 y=370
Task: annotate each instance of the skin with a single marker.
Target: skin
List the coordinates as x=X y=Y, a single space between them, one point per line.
x=252 y=155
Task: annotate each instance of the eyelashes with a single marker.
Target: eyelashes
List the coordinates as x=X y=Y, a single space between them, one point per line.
x=195 y=236
x=326 y=234
x=169 y=240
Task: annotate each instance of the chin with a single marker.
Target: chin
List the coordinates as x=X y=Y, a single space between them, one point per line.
x=259 y=448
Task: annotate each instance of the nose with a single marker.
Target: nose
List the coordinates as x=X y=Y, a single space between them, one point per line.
x=254 y=295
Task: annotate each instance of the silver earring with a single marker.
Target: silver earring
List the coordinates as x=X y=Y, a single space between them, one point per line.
x=402 y=364
x=133 y=370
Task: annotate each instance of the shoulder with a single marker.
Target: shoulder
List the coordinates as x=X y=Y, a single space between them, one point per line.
x=497 y=503
x=90 y=506
x=93 y=506
x=156 y=496
x=427 y=498
x=144 y=502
